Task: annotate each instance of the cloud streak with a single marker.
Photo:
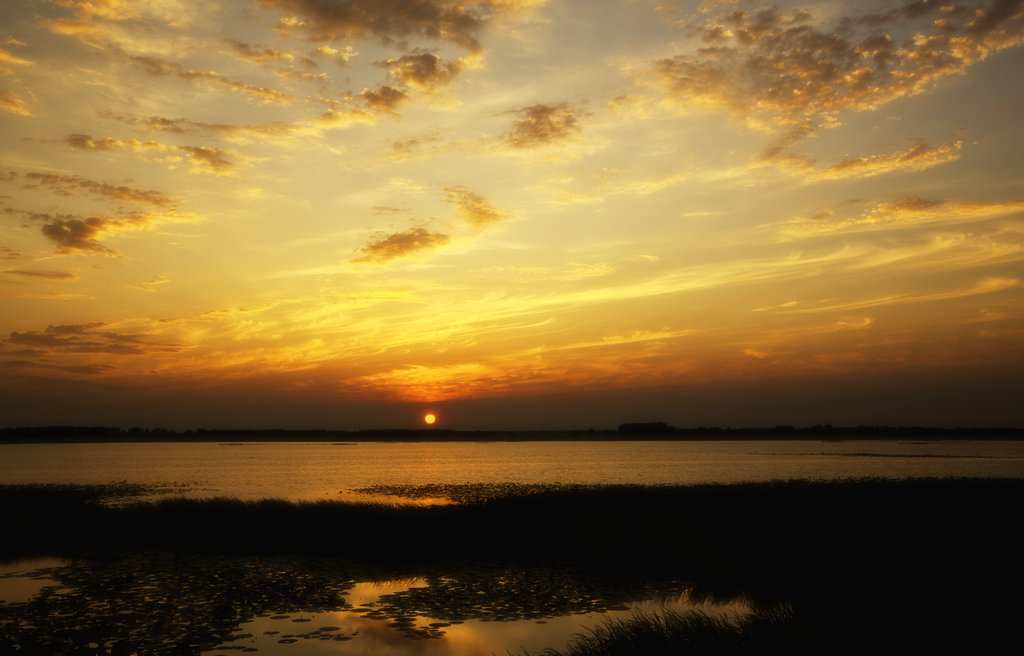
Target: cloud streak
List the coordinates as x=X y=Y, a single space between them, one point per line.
x=214 y=160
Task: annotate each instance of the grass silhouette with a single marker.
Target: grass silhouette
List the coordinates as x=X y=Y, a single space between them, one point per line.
x=880 y=566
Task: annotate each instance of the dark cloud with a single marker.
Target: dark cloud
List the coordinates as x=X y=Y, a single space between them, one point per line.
x=212 y=158
x=78 y=234
x=473 y=208
x=86 y=338
x=386 y=247
x=795 y=77
x=383 y=99
x=423 y=71
x=539 y=125
x=390 y=21
x=51 y=275
x=68 y=184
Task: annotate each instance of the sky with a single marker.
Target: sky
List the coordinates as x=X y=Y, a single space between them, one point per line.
x=511 y=213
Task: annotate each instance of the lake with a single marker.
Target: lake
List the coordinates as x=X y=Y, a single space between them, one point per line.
x=218 y=605
x=319 y=470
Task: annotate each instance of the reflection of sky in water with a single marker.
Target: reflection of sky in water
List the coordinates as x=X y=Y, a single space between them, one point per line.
x=150 y=599
x=328 y=471
x=353 y=634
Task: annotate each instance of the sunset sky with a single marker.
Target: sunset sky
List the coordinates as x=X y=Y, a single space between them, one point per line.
x=512 y=213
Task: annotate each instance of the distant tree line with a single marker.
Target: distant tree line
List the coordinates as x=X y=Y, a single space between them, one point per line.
x=656 y=430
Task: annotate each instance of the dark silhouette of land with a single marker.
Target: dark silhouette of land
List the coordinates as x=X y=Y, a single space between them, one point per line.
x=868 y=566
x=627 y=431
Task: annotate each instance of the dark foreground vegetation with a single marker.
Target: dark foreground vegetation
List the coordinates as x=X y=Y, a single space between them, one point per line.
x=870 y=566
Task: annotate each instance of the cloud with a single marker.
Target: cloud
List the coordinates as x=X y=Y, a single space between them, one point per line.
x=84 y=13
x=386 y=247
x=424 y=72
x=203 y=158
x=902 y=212
x=162 y=67
x=343 y=56
x=918 y=157
x=150 y=285
x=473 y=208
x=784 y=74
x=540 y=125
x=184 y=125
x=68 y=184
x=86 y=338
x=390 y=21
x=258 y=54
x=78 y=234
x=383 y=99
x=13 y=104
x=49 y=275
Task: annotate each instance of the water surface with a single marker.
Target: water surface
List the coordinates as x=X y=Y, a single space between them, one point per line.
x=319 y=470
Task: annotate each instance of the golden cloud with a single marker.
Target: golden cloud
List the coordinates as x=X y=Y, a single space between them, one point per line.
x=162 y=67
x=906 y=211
x=918 y=157
x=781 y=72
x=68 y=184
x=540 y=125
x=423 y=71
x=386 y=247
x=184 y=125
x=383 y=99
x=390 y=21
x=473 y=208
x=209 y=159
x=13 y=104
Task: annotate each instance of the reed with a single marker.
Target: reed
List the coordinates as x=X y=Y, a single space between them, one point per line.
x=671 y=633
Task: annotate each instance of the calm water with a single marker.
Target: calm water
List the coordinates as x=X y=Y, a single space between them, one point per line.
x=318 y=470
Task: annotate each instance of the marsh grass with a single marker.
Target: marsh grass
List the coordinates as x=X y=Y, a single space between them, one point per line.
x=670 y=633
x=867 y=566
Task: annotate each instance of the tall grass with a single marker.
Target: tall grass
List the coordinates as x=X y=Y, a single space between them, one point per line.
x=671 y=633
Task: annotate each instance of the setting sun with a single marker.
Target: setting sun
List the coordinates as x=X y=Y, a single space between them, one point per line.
x=430 y=418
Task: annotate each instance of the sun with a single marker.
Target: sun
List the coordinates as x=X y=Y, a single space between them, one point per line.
x=430 y=418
